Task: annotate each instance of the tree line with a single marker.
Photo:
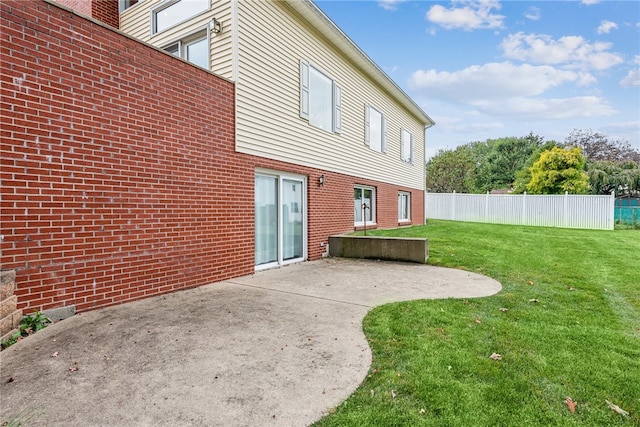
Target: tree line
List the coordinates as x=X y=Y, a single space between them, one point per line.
x=586 y=162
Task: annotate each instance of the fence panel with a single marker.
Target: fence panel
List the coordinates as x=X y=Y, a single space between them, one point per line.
x=566 y=211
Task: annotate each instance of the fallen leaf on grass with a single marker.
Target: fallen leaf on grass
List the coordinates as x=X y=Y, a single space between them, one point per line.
x=530 y=282
x=478 y=321
x=422 y=411
x=571 y=404
x=571 y=288
x=503 y=309
x=616 y=408
x=496 y=356
x=393 y=394
x=533 y=300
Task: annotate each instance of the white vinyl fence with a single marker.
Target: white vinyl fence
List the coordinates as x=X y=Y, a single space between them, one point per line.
x=566 y=211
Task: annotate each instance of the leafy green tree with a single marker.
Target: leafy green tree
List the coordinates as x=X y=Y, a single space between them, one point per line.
x=504 y=159
x=607 y=176
x=611 y=165
x=559 y=170
x=450 y=170
x=523 y=176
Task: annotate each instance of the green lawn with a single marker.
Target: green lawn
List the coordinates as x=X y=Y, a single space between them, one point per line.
x=571 y=328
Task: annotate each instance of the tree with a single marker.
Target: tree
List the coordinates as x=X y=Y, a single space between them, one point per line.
x=607 y=176
x=523 y=176
x=450 y=170
x=611 y=165
x=504 y=159
x=597 y=147
x=559 y=170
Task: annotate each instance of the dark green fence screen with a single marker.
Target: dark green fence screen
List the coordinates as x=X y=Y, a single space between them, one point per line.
x=627 y=210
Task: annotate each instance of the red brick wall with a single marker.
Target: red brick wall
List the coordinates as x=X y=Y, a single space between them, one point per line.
x=102 y=10
x=119 y=174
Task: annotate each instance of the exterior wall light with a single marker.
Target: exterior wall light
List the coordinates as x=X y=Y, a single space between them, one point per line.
x=215 y=26
x=321 y=181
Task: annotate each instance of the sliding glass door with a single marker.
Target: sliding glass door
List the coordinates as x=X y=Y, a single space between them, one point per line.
x=280 y=219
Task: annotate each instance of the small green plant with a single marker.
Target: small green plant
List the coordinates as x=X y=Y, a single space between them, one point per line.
x=28 y=325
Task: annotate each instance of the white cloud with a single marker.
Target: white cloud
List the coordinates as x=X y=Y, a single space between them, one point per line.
x=533 y=13
x=605 y=27
x=550 y=109
x=631 y=79
x=390 y=4
x=459 y=125
x=570 y=51
x=509 y=91
x=493 y=81
x=590 y=2
x=467 y=15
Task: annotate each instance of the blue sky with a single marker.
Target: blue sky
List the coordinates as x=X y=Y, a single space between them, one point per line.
x=490 y=69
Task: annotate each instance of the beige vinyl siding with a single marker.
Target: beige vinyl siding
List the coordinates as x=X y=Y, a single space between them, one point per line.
x=136 y=21
x=268 y=102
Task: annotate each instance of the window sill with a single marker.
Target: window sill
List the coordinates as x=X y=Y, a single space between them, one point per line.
x=404 y=223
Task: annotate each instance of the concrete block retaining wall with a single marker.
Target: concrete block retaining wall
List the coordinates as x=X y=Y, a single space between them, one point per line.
x=409 y=249
x=9 y=313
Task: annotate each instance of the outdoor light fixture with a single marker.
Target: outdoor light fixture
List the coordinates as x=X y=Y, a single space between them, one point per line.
x=321 y=181
x=215 y=26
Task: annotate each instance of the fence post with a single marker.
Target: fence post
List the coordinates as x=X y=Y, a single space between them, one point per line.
x=486 y=207
x=524 y=208
x=566 y=208
x=612 y=209
x=453 y=206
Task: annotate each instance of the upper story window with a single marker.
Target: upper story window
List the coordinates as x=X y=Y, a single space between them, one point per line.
x=375 y=129
x=194 y=48
x=173 y=12
x=320 y=99
x=406 y=149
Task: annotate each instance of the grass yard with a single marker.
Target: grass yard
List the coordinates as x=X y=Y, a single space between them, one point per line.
x=571 y=328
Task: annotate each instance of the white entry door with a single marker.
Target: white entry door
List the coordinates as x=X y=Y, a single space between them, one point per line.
x=280 y=219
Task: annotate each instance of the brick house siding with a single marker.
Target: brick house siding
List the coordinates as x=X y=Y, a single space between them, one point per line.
x=119 y=175
x=101 y=10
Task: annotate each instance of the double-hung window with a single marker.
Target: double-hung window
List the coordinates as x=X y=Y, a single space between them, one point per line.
x=404 y=206
x=364 y=205
x=407 y=146
x=320 y=99
x=375 y=129
x=172 y=12
x=194 y=48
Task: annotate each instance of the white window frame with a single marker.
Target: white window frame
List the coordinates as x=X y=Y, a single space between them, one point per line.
x=402 y=197
x=167 y=4
x=281 y=177
x=369 y=112
x=306 y=94
x=372 y=208
x=182 y=44
x=406 y=146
